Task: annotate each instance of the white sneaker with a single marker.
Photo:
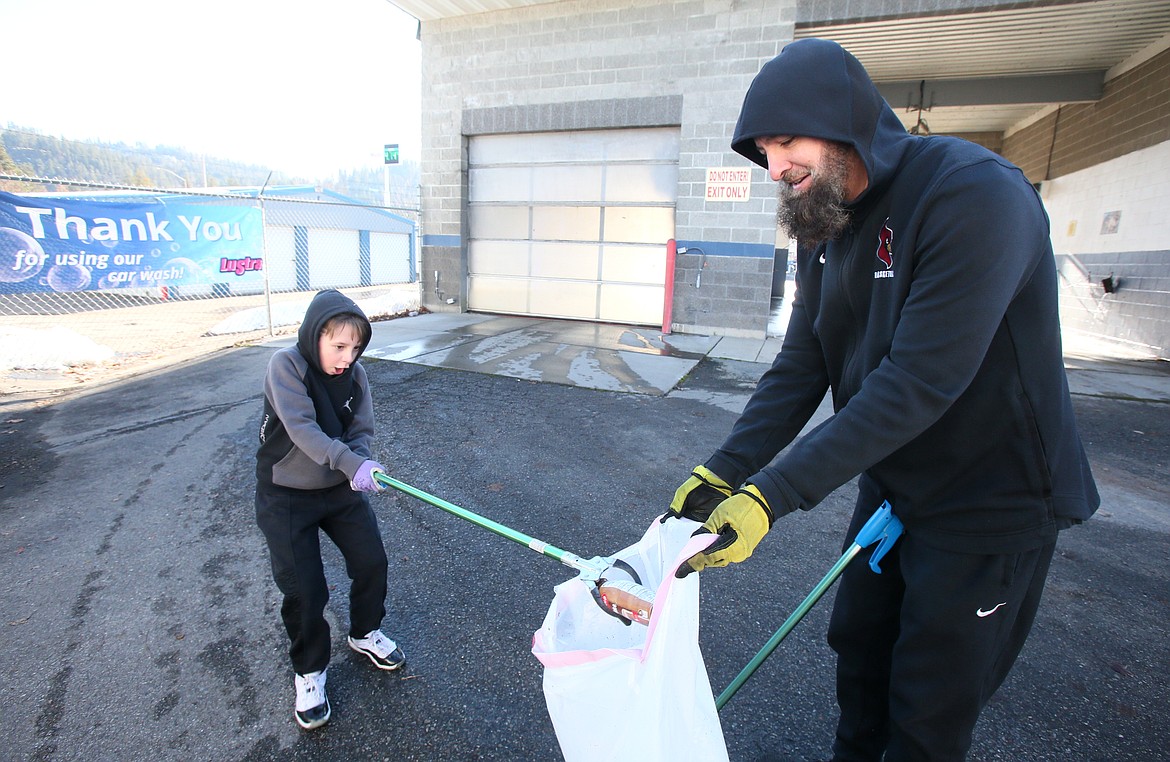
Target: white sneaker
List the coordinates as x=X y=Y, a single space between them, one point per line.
x=383 y=651
x=312 y=704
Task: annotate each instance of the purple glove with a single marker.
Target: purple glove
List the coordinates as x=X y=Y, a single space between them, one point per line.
x=363 y=480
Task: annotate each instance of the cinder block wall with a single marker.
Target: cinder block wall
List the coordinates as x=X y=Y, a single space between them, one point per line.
x=1110 y=222
x=1133 y=113
x=605 y=64
x=1103 y=169
x=992 y=141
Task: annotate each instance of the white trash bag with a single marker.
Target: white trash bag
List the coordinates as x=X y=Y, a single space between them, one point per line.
x=636 y=692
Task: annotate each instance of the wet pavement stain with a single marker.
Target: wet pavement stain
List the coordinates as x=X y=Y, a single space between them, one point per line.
x=519 y=357
x=591 y=355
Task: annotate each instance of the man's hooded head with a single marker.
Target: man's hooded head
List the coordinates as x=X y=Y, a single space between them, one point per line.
x=815 y=88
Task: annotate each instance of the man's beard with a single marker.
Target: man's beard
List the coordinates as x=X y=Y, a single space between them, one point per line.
x=819 y=213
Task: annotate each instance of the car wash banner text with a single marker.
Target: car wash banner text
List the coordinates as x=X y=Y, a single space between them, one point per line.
x=59 y=244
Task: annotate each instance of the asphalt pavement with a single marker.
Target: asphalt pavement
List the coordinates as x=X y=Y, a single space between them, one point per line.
x=139 y=618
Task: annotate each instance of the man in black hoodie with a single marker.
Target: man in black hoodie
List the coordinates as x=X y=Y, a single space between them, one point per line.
x=927 y=305
x=313 y=468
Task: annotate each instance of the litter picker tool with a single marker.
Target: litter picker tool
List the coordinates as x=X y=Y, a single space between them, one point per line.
x=883 y=528
x=615 y=585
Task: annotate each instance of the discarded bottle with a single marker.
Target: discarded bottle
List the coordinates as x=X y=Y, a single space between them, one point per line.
x=628 y=599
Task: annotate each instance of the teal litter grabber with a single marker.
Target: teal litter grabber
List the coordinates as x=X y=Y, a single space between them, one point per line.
x=593 y=571
x=883 y=528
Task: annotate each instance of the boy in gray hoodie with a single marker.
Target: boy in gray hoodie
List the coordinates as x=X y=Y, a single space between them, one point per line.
x=313 y=470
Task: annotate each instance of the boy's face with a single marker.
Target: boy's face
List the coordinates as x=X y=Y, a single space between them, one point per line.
x=338 y=349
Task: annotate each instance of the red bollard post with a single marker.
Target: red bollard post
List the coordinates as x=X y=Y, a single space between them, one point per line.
x=668 y=303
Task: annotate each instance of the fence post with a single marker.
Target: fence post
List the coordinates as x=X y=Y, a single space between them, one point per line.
x=264 y=254
x=266 y=268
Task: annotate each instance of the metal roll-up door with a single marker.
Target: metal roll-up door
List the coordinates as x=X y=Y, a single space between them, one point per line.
x=572 y=224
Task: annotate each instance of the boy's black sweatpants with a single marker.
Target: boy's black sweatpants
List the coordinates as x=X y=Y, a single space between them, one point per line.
x=922 y=646
x=291 y=522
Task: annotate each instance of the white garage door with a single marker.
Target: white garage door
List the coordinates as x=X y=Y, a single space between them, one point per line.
x=572 y=224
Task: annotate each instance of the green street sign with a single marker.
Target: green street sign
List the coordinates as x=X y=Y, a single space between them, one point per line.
x=391 y=153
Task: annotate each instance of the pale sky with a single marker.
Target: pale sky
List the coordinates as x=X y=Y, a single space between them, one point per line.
x=300 y=86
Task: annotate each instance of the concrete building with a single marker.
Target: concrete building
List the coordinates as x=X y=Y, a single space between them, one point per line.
x=565 y=143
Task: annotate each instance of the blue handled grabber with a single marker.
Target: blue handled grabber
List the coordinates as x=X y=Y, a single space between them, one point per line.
x=883 y=528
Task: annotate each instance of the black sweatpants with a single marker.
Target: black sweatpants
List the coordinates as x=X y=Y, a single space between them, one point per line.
x=291 y=522
x=922 y=646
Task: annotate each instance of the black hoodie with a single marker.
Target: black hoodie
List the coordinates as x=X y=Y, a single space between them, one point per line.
x=933 y=319
x=317 y=428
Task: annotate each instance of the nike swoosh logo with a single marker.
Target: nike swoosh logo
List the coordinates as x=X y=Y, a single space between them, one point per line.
x=981 y=613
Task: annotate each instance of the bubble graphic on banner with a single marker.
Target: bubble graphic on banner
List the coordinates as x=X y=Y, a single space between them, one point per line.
x=191 y=271
x=118 y=280
x=68 y=277
x=21 y=256
x=209 y=265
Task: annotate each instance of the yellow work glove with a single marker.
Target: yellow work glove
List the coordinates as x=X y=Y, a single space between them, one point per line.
x=698 y=495
x=741 y=521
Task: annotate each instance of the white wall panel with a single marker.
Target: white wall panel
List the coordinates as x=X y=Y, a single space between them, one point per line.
x=389 y=258
x=639 y=224
x=632 y=304
x=571 y=182
x=633 y=264
x=498 y=294
x=280 y=258
x=499 y=184
x=568 y=299
x=641 y=182
x=497 y=221
x=497 y=258
x=566 y=223
x=565 y=260
x=333 y=258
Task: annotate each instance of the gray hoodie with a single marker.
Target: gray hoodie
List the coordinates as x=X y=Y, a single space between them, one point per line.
x=317 y=428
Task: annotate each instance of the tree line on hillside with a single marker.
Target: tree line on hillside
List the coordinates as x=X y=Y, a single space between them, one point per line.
x=29 y=153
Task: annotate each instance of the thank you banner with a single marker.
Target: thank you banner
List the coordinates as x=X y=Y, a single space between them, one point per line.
x=62 y=244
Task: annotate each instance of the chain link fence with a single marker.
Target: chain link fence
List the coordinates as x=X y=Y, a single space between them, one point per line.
x=102 y=275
